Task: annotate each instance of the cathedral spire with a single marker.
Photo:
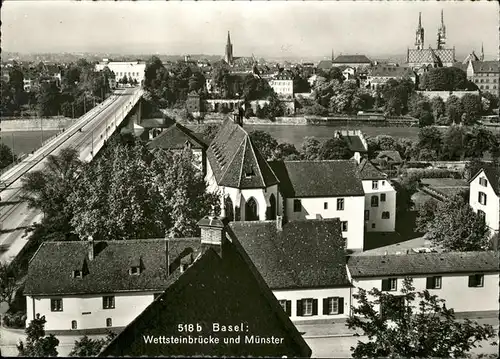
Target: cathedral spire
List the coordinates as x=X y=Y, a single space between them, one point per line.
x=482 y=52
x=419 y=36
x=441 y=38
x=228 y=39
x=228 y=56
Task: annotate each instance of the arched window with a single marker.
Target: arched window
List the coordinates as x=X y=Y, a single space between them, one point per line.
x=251 y=210
x=374 y=201
x=109 y=322
x=271 y=210
x=73 y=324
x=229 y=208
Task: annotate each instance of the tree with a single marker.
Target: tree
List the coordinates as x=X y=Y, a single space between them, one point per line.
x=86 y=347
x=335 y=149
x=406 y=186
x=47 y=99
x=413 y=325
x=7 y=282
x=316 y=109
x=6 y=156
x=210 y=131
x=438 y=108
x=264 y=142
x=426 y=214
x=396 y=94
x=50 y=188
x=37 y=344
x=491 y=102
x=310 y=148
x=386 y=143
x=429 y=138
x=275 y=107
x=456 y=227
x=444 y=79
x=285 y=151
x=454 y=109
x=453 y=143
x=420 y=108
x=478 y=141
x=472 y=106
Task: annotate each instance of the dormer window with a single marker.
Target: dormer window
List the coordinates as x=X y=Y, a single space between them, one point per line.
x=135 y=270
x=77 y=274
x=249 y=173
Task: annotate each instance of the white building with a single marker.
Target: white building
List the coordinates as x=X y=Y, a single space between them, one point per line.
x=349 y=73
x=308 y=286
x=130 y=69
x=282 y=83
x=467 y=281
x=485 y=196
x=380 y=199
x=90 y=287
x=323 y=189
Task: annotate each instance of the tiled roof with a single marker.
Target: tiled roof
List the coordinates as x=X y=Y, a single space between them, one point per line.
x=176 y=137
x=390 y=71
x=429 y=55
x=368 y=171
x=423 y=263
x=233 y=157
x=351 y=59
x=485 y=66
x=304 y=254
x=471 y=57
x=325 y=64
x=51 y=269
x=284 y=75
x=215 y=289
x=391 y=156
x=332 y=178
x=355 y=143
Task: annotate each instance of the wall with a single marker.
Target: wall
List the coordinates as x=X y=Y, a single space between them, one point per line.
x=454 y=289
x=492 y=207
x=319 y=294
x=261 y=195
x=445 y=94
x=381 y=225
x=36 y=124
x=353 y=213
x=127 y=307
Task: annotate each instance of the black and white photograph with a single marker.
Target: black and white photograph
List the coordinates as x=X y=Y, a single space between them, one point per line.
x=254 y=179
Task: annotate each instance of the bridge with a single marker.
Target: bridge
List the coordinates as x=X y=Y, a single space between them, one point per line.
x=87 y=135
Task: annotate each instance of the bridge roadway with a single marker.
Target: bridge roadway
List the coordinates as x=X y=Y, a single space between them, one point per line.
x=87 y=136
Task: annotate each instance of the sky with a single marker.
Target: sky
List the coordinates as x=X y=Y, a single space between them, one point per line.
x=299 y=29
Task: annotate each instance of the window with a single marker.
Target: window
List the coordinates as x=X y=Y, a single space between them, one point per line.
x=77 y=274
x=297 y=205
x=135 y=270
x=383 y=183
x=109 y=322
x=344 y=226
x=374 y=184
x=249 y=173
x=481 y=214
x=367 y=214
x=390 y=284
x=56 y=305
x=482 y=198
x=333 y=306
x=476 y=280
x=108 y=302
x=325 y=205
x=307 y=307
x=483 y=182
x=74 y=324
x=382 y=197
x=386 y=215
x=340 y=204
x=374 y=201
x=433 y=283
x=373 y=225
x=287 y=306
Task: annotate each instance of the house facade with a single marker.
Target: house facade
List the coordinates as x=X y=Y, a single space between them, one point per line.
x=484 y=196
x=467 y=281
x=282 y=83
x=130 y=69
x=379 y=75
x=354 y=61
x=485 y=74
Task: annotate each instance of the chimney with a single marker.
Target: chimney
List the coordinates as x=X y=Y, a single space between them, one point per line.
x=91 y=247
x=213 y=232
x=279 y=223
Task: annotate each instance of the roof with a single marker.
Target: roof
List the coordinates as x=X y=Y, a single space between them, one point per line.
x=284 y=257
x=325 y=64
x=485 y=66
x=429 y=55
x=284 y=75
x=176 y=137
x=471 y=57
x=333 y=178
x=390 y=155
x=351 y=59
x=423 y=263
x=368 y=171
x=390 y=71
x=354 y=142
x=492 y=172
x=215 y=289
x=233 y=156
x=51 y=269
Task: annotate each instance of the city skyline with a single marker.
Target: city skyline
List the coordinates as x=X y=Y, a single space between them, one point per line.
x=266 y=29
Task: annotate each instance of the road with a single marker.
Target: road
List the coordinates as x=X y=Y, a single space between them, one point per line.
x=87 y=135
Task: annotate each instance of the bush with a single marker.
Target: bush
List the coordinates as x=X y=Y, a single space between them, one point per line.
x=15 y=320
x=434 y=173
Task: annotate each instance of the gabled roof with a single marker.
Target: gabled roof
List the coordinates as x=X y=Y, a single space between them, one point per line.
x=51 y=268
x=176 y=137
x=368 y=171
x=284 y=75
x=354 y=142
x=304 y=254
x=423 y=263
x=492 y=172
x=334 y=178
x=325 y=64
x=390 y=155
x=485 y=66
x=236 y=162
x=352 y=59
x=215 y=289
x=471 y=57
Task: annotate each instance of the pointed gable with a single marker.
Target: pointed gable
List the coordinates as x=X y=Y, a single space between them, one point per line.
x=236 y=162
x=368 y=171
x=176 y=137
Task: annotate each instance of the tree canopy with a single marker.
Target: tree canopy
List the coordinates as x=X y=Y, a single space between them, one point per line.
x=37 y=344
x=444 y=79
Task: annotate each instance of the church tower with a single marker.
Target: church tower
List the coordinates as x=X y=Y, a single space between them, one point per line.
x=228 y=57
x=441 y=35
x=419 y=36
x=482 y=53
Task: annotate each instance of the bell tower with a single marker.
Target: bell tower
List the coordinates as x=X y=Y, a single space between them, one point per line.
x=419 y=35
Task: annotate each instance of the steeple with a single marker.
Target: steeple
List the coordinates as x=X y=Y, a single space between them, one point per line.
x=419 y=35
x=441 y=34
x=228 y=56
x=482 y=53
x=333 y=55
x=228 y=38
